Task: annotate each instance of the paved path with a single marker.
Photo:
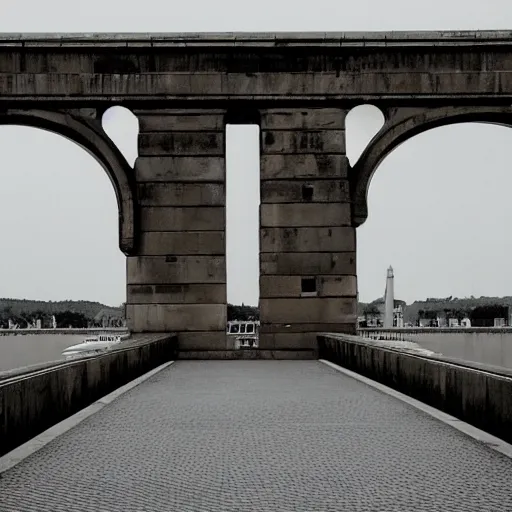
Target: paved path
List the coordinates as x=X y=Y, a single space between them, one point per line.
x=272 y=436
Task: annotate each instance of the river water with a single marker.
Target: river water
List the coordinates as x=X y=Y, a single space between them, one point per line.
x=492 y=348
x=19 y=351
x=485 y=348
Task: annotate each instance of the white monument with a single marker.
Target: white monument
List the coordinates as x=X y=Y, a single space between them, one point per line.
x=389 y=300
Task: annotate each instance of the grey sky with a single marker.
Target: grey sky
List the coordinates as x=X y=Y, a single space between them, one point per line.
x=429 y=201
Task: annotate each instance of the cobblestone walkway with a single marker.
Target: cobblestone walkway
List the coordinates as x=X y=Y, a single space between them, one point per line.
x=272 y=436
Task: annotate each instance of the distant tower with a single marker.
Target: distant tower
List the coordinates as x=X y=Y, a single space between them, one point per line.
x=389 y=299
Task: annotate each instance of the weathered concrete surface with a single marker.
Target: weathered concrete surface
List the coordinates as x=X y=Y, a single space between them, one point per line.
x=259 y=435
x=34 y=402
x=298 y=88
x=482 y=398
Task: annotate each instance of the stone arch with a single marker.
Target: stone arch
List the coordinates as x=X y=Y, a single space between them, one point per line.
x=400 y=128
x=87 y=133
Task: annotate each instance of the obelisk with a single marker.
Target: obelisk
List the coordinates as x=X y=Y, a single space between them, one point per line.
x=389 y=300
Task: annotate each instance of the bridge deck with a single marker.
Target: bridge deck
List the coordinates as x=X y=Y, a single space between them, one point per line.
x=259 y=435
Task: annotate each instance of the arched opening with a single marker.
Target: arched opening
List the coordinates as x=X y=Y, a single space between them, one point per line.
x=59 y=224
x=361 y=125
x=439 y=212
x=122 y=126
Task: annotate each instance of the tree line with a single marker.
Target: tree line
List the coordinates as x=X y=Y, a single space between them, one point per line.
x=75 y=314
x=242 y=312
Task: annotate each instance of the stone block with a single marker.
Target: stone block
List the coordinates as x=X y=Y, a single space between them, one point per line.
x=176 y=269
x=203 y=293
x=291 y=286
x=184 y=168
x=176 y=317
x=296 y=191
x=308 y=263
x=310 y=239
x=288 y=341
x=337 y=286
x=181 y=194
x=308 y=118
x=169 y=121
x=305 y=214
x=308 y=310
x=291 y=142
x=212 y=340
x=192 y=218
x=318 y=166
x=182 y=243
x=181 y=143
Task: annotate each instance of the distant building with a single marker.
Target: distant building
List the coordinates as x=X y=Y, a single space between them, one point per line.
x=373 y=316
x=465 y=322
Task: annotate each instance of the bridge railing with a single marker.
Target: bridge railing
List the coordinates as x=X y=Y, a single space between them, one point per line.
x=36 y=398
x=480 y=395
x=402 y=333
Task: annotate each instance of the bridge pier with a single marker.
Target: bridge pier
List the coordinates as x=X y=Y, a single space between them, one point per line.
x=177 y=280
x=307 y=243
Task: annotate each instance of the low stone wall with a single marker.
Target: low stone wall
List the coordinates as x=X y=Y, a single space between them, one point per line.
x=31 y=403
x=480 y=397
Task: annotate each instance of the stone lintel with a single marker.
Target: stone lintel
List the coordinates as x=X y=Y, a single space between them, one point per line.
x=181 y=194
x=303 y=118
x=203 y=293
x=292 y=286
x=178 y=169
x=308 y=263
x=176 y=317
x=302 y=141
x=307 y=239
x=172 y=269
x=182 y=243
x=305 y=214
x=297 y=190
x=317 y=166
x=308 y=310
x=172 y=121
x=181 y=143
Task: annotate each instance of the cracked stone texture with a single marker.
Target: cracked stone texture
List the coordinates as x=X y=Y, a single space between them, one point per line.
x=259 y=436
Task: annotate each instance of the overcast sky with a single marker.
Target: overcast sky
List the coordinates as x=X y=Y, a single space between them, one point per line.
x=439 y=205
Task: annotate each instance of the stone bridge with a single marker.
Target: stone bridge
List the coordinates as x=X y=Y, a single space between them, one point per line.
x=298 y=88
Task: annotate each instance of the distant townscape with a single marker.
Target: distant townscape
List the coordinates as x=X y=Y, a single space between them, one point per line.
x=23 y=314
x=440 y=312
x=432 y=312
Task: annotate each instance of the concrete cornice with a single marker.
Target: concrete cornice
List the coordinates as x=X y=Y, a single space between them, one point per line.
x=263 y=39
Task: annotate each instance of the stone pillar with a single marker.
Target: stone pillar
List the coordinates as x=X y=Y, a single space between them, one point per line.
x=307 y=242
x=177 y=281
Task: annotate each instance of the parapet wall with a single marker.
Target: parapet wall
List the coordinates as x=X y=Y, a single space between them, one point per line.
x=479 y=396
x=32 y=403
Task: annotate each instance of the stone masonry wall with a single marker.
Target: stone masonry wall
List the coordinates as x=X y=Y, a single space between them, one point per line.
x=308 y=261
x=177 y=282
